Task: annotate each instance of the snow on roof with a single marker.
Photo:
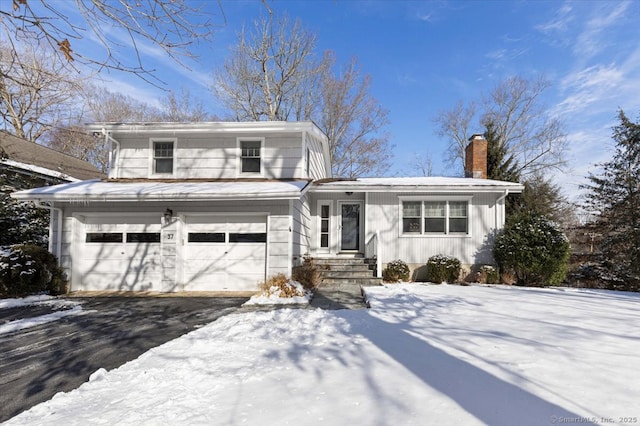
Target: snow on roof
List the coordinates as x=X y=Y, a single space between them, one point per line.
x=37 y=169
x=96 y=190
x=429 y=183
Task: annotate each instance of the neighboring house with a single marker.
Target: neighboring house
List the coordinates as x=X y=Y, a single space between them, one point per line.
x=45 y=166
x=23 y=165
x=222 y=206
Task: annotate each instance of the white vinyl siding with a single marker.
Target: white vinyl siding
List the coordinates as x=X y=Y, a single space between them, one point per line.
x=384 y=214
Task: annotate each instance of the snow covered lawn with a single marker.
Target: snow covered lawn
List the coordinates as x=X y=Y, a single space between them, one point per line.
x=423 y=355
x=61 y=308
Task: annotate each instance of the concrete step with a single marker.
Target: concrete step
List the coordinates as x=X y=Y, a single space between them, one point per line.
x=339 y=281
x=339 y=260
x=347 y=273
x=343 y=267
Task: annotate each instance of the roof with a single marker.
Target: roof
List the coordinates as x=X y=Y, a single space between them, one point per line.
x=209 y=126
x=422 y=184
x=114 y=191
x=30 y=156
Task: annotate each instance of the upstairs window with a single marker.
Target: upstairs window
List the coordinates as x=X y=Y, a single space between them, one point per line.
x=435 y=217
x=250 y=161
x=163 y=157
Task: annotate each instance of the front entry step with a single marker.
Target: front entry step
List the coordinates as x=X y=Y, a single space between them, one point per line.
x=336 y=272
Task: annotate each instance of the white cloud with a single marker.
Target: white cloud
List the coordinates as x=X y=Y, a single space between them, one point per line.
x=559 y=23
x=591 y=41
x=591 y=88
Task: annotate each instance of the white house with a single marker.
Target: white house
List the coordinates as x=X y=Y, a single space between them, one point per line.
x=222 y=206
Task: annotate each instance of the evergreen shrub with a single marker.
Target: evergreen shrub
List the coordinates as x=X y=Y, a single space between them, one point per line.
x=395 y=271
x=30 y=269
x=441 y=268
x=534 y=249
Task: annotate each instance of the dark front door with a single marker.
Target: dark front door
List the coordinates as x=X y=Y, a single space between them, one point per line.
x=350 y=227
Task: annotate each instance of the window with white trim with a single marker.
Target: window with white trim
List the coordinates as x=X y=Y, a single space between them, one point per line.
x=162 y=157
x=428 y=217
x=250 y=161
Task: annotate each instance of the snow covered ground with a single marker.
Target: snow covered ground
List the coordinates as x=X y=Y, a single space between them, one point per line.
x=423 y=355
x=61 y=307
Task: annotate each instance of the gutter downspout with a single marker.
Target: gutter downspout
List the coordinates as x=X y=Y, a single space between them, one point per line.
x=112 y=158
x=502 y=198
x=42 y=205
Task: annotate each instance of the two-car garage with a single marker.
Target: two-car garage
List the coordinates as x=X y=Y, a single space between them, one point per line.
x=225 y=252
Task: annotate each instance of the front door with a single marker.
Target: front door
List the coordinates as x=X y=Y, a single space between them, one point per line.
x=350 y=226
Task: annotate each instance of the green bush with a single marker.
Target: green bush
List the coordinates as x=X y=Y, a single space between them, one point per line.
x=534 y=249
x=307 y=274
x=395 y=271
x=29 y=269
x=441 y=268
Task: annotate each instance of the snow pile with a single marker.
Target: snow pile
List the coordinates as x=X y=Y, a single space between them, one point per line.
x=62 y=307
x=286 y=293
x=424 y=354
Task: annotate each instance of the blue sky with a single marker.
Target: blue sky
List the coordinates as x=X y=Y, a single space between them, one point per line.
x=424 y=56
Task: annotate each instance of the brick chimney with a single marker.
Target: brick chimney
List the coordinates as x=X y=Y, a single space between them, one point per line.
x=475 y=165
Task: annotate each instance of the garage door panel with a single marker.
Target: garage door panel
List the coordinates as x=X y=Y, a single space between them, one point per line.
x=121 y=253
x=235 y=262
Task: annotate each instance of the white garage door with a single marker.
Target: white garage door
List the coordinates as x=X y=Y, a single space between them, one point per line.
x=121 y=254
x=225 y=253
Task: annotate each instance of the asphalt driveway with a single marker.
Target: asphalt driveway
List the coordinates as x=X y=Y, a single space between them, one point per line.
x=38 y=362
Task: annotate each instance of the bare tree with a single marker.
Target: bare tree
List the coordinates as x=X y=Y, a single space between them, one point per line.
x=37 y=92
x=171 y=25
x=75 y=141
x=423 y=164
x=106 y=106
x=456 y=125
x=352 y=120
x=183 y=108
x=520 y=121
x=273 y=74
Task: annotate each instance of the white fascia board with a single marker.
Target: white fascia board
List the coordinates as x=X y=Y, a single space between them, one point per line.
x=178 y=128
x=414 y=188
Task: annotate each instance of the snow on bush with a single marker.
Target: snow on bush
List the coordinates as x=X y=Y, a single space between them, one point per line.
x=396 y=270
x=442 y=268
x=535 y=249
x=29 y=269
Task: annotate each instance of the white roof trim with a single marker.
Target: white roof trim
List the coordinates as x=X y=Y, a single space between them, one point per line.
x=209 y=126
x=96 y=190
x=37 y=169
x=421 y=184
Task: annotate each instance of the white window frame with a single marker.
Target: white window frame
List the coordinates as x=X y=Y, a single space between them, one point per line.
x=152 y=157
x=239 y=150
x=434 y=198
x=329 y=232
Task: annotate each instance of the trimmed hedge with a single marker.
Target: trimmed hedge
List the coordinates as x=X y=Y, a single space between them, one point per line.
x=395 y=271
x=441 y=268
x=29 y=269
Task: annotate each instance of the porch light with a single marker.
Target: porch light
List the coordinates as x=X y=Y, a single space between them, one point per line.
x=168 y=215
x=349 y=193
